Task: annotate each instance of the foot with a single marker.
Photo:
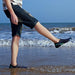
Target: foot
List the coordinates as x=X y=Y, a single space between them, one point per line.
x=61 y=42
x=11 y=66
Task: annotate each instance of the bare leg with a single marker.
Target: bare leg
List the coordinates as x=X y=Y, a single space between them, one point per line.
x=14 y=50
x=42 y=30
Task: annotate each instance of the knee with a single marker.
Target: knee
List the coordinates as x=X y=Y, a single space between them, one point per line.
x=16 y=38
x=38 y=23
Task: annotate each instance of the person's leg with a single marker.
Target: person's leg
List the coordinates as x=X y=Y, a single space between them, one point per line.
x=42 y=30
x=16 y=34
x=14 y=50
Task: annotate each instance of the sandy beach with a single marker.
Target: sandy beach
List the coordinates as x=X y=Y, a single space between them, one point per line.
x=40 y=61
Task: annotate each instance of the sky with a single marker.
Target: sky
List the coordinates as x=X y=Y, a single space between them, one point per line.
x=47 y=10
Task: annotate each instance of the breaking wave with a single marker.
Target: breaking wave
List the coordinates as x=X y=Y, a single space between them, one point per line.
x=36 y=43
x=33 y=38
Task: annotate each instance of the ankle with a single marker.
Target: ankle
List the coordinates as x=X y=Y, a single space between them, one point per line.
x=13 y=64
x=57 y=41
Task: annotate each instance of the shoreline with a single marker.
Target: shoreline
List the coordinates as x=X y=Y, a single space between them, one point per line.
x=41 y=60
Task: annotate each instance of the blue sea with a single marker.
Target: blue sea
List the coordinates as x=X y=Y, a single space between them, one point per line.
x=30 y=37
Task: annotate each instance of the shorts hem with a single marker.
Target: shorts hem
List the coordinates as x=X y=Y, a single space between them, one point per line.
x=16 y=35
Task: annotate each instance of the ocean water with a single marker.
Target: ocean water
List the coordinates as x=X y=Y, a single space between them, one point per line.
x=30 y=37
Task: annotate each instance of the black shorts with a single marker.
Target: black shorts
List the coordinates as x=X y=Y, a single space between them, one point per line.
x=24 y=18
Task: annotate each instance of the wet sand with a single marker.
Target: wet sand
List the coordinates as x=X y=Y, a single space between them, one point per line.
x=40 y=61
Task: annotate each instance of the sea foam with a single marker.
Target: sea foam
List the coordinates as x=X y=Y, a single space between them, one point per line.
x=36 y=43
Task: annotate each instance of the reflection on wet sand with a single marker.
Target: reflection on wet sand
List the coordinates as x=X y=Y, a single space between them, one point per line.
x=39 y=69
x=40 y=61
